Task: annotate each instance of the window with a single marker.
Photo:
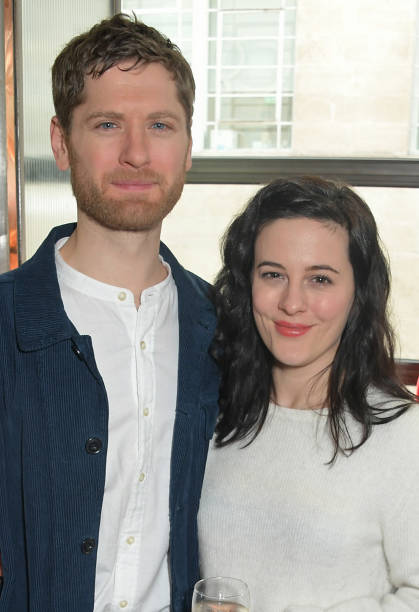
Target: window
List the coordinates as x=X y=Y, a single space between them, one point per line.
x=243 y=61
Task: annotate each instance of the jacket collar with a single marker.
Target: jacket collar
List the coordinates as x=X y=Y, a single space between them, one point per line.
x=193 y=294
x=39 y=311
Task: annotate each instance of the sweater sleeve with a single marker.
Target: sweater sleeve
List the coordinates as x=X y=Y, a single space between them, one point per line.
x=401 y=547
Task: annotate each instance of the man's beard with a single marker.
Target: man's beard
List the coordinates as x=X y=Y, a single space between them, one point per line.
x=133 y=211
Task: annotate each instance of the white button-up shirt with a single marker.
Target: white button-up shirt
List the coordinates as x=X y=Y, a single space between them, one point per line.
x=136 y=352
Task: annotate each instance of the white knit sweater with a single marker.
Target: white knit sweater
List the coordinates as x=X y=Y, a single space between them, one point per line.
x=309 y=537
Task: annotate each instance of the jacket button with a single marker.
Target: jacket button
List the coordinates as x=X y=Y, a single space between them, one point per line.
x=88 y=545
x=93 y=446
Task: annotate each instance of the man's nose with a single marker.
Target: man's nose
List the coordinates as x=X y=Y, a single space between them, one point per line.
x=135 y=150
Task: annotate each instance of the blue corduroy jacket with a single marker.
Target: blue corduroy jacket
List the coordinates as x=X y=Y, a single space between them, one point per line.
x=53 y=440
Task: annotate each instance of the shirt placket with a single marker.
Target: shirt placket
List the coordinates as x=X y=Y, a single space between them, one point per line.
x=128 y=567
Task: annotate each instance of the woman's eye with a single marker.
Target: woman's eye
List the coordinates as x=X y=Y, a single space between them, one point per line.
x=271 y=275
x=322 y=280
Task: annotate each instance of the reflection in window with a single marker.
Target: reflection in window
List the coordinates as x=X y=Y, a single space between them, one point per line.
x=244 y=74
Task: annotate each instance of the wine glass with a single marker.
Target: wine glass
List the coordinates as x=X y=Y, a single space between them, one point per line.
x=219 y=594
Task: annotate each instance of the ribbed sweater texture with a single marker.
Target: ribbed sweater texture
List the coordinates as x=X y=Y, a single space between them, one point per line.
x=308 y=536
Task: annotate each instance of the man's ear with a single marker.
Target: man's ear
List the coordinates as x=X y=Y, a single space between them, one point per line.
x=59 y=145
x=188 y=160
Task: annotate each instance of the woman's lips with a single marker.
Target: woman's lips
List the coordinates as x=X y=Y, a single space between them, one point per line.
x=291 y=330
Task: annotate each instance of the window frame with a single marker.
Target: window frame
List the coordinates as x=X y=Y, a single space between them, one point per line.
x=365 y=172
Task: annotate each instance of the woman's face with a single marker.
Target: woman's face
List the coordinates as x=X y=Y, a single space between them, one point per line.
x=303 y=290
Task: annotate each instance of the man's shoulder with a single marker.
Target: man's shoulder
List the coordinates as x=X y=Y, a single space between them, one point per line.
x=7 y=281
x=200 y=284
x=44 y=254
x=7 y=278
x=185 y=279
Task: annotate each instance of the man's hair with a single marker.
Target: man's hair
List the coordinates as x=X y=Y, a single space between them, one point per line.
x=364 y=358
x=108 y=43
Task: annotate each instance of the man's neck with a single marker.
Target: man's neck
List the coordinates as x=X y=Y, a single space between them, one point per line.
x=123 y=259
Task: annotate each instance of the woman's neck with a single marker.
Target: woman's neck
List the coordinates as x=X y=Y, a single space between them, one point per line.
x=295 y=388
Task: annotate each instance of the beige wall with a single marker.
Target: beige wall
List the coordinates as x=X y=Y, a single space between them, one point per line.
x=353 y=83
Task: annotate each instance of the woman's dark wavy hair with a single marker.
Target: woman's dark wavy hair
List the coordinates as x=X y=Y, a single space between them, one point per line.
x=365 y=356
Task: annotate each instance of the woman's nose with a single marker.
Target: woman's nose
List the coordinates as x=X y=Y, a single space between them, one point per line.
x=292 y=298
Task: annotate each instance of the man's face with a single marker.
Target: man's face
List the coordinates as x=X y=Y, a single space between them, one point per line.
x=128 y=148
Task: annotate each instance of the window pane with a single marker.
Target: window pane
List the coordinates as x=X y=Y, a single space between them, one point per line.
x=249 y=4
x=211 y=109
x=286 y=109
x=152 y=5
x=285 y=137
x=249 y=52
x=231 y=137
x=148 y=4
x=247 y=109
x=165 y=22
x=239 y=80
x=288 y=80
x=247 y=24
x=290 y=17
x=186 y=48
x=211 y=80
x=289 y=51
x=212 y=52
x=212 y=24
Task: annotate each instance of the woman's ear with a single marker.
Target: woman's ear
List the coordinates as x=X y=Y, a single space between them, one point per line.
x=59 y=145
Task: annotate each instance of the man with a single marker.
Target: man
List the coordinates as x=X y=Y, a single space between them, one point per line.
x=108 y=391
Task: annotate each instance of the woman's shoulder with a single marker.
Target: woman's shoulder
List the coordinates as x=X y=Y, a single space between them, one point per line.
x=396 y=426
x=381 y=400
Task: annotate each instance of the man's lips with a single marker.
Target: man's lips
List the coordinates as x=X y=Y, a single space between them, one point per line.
x=291 y=330
x=133 y=185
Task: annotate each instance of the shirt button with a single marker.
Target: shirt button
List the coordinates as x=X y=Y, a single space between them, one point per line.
x=146 y=412
x=141 y=477
x=88 y=545
x=123 y=603
x=130 y=540
x=122 y=296
x=93 y=446
x=142 y=345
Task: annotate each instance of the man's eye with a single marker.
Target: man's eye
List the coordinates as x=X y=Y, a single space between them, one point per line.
x=107 y=125
x=159 y=125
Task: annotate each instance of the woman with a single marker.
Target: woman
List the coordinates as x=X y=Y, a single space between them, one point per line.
x=311 y=493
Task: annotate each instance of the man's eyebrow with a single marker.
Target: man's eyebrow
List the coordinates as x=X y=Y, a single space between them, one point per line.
x=163 y=114
x=104 y=115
